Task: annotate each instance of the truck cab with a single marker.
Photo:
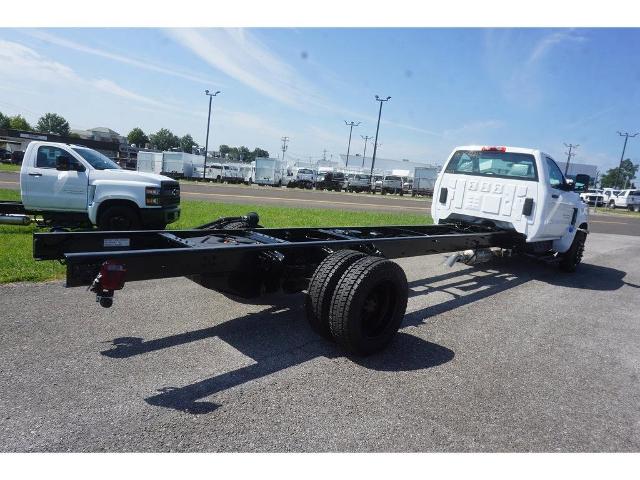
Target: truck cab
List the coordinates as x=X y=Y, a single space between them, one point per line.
x=72 y=184
x=512 y=188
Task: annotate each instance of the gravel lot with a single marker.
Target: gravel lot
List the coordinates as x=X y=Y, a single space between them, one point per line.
x=514 y=356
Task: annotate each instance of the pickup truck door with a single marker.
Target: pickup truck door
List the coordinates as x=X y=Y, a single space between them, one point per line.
x=559 y=204
x=46 y=188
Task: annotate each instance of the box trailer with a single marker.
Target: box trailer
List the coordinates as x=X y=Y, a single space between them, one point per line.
x=268 y=171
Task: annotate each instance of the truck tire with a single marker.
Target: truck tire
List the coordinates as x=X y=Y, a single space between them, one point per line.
x=572 y=257
x=119 y=217
x=368 y=305
x=321 y=288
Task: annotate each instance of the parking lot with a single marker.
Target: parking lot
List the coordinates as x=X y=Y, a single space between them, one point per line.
x=513 y=356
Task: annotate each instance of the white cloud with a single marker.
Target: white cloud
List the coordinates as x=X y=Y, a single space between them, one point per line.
x=146 y=65
x=241 y=56
x=548 y=42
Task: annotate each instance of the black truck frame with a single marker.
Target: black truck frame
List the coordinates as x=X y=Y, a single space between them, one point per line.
x=355 y=294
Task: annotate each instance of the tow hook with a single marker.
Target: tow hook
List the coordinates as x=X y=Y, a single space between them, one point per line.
x=110 y=278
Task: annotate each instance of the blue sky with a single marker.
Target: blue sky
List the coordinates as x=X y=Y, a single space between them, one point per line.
x=521 y=87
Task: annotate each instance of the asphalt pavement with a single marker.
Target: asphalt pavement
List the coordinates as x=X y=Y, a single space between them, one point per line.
x=512 y=356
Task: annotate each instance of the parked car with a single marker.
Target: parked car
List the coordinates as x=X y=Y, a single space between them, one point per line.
x=407 y=186
x=5 y=155
x=331 y=181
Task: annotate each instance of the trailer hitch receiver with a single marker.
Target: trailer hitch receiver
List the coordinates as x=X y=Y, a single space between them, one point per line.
x=110 y=278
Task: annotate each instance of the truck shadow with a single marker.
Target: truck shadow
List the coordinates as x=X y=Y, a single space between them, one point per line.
x=286 y=341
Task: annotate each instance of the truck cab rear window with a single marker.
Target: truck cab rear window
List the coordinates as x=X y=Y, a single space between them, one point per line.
x=493 y=164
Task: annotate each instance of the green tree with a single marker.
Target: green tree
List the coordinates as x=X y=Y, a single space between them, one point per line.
x=244 y=154
x=137 y=137
x=224 y=149
x=619 y=176
x=164 y=139
x=260 y=153
x=4 y=121
x=53 y=123
x=18 y=122
x=187 y=143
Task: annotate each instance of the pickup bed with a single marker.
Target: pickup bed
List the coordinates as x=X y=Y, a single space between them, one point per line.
x=74 y=186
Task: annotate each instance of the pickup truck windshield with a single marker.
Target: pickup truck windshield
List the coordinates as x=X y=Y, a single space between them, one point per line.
x=305 y=171
x=493 y=164
x=96 y=159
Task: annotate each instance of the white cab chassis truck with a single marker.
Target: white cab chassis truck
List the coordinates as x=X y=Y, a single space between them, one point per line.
x=517 y=189
x=489 y=201
x=71 y=186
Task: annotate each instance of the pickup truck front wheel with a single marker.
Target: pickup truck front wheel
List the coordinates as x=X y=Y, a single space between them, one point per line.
x=572 y=257
x=119 y=217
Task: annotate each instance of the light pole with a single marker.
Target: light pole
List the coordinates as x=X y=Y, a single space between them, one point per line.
x=206 y=142
x=569 y=155
x=375 y=142
x=626 y=136
x=364 y=155
x=350 y=125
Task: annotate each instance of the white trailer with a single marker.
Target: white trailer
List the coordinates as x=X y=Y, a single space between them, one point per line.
x=149 y=162
x=268 y=171
x=424 y=179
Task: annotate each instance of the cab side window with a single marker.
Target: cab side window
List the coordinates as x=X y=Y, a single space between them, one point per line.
x=47 y=156
x=556 y=179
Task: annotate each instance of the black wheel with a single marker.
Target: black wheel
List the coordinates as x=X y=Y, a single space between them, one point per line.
x=119 y=217
x=612 y=204
x=368 y=305
x=321 y=288
x=572 y=257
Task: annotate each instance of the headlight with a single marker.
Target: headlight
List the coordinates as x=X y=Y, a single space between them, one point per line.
x=152 y=195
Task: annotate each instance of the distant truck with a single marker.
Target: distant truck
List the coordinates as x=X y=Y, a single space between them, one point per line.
x=302 y=178
x=268 y=172
x=72 y=186
x=392 y=184
x=629 y=199
x=424 y=180
x=360 y=182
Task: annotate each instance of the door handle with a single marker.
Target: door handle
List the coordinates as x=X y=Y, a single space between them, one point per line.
x=555 y=196
x=35 y=174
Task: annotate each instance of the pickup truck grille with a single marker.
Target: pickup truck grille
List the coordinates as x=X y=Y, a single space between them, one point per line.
x=169 y=193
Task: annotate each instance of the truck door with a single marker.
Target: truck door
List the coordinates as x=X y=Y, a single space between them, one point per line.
x=49 y=189
x=559 y=204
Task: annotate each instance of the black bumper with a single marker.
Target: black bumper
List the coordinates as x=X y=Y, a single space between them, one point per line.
x=160 y=216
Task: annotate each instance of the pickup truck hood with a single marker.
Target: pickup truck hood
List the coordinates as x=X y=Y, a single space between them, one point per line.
x=119 y=175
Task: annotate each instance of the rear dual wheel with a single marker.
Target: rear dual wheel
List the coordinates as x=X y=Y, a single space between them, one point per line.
x=358 y=300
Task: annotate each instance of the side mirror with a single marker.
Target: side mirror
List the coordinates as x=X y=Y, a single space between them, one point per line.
x=582 y=182
x=63 y=163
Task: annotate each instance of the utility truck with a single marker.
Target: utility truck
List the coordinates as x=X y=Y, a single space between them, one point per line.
x=490 y=201
x=70 y=186
x=268 y=172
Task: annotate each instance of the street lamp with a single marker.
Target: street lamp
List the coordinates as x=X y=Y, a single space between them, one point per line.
x=206 y=142
x=375 y=142
x=350 y=125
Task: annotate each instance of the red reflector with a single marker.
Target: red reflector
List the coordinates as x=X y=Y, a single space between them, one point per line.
x=112 y=275
x=494 y=149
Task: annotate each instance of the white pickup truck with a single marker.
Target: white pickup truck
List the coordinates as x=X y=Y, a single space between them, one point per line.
x=518 y=189
x=71 y=186
x=629 y=199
